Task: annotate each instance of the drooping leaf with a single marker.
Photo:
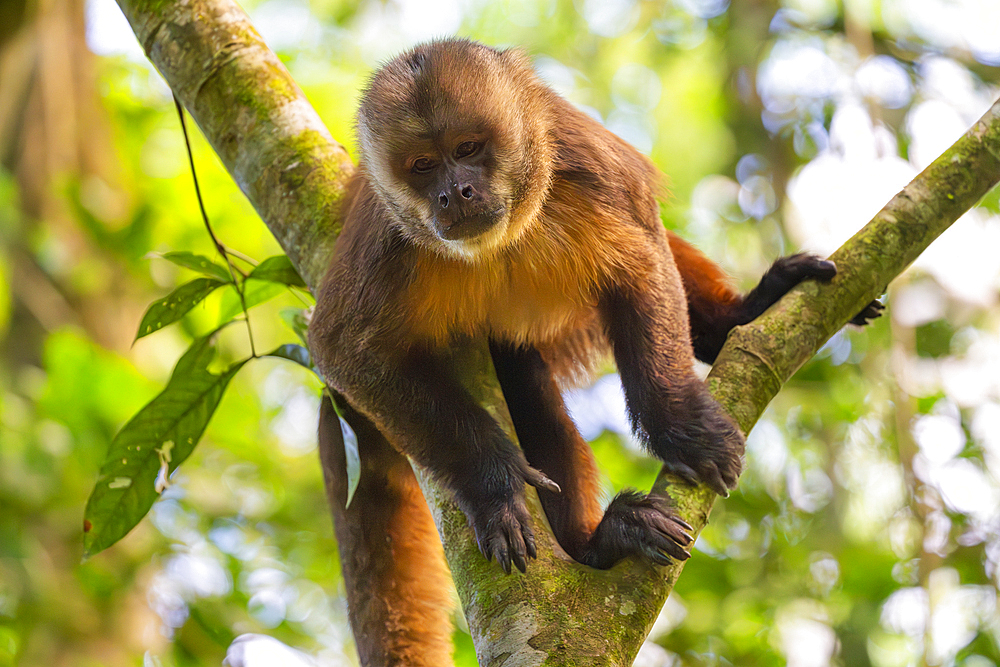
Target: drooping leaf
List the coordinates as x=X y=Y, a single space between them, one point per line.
x=151 y=446
x=174 y=306
x=255 y=292
x=278 y=269
x=296 y=320
x=296 y=353
x=352 y=455
x=199 y=263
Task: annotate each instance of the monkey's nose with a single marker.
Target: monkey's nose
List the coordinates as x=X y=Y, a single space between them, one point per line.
x=443 y=200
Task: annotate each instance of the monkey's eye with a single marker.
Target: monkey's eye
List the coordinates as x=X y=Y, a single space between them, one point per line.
x=422 y=165
x=467 y=149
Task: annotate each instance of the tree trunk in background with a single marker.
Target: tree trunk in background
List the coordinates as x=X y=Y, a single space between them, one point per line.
x=55 y=140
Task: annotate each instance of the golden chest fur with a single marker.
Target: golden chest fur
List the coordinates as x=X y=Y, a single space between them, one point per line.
x=536 y=290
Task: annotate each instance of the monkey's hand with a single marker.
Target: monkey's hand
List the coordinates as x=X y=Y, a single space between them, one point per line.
x=788 y=272
x=638 y=525
x=493 y=502
x=868 y=313
x=700 y=442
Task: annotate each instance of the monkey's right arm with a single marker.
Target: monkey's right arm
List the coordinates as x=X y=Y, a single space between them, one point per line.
x=427 y=415
x=714 y=307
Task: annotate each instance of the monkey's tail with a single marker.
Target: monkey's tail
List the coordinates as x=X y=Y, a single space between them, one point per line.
x=398 y=585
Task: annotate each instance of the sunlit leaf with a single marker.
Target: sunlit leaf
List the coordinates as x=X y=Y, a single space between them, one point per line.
x=352 y=455
x=152 y=444
x=278 y=269
x=255 y=292
x=174 y=306
x=199 y=263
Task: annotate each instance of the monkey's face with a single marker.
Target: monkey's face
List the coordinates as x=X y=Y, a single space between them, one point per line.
x=453 y=144
x=451 y=180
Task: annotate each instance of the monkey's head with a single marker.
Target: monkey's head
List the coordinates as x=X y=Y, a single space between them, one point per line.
x=454 y=138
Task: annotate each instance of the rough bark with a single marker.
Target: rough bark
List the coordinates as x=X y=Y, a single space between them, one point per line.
x=287 y=164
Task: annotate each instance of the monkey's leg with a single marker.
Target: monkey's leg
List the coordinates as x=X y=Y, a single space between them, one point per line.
x=634 y=524
x=714 y=307
x=398 y=586
x=671 y=409
x=425 y=412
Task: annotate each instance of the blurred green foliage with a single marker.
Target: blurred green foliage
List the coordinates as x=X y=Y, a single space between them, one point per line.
x=865 y=530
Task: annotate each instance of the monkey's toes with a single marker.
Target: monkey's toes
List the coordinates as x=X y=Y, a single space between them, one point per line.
x=638 y=525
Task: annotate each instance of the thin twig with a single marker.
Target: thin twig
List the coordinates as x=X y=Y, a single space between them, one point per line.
x=237 y=285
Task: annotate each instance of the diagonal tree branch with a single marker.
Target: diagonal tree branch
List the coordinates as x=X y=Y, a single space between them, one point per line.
x=765 y=354
x=294 y=173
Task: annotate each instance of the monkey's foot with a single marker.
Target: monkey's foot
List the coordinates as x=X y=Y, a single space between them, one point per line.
x=870 y=312
x=638 y=525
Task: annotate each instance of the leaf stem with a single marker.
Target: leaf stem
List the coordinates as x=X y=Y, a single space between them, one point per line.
x=237 y=285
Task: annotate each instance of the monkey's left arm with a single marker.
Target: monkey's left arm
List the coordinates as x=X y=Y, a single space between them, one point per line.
x=671 y=409
x=714 y=307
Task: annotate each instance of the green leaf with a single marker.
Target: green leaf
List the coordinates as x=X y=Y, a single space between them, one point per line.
x=152 y=444
x=352 y=455
x=174 y=306
x=278 y=269
x=296 y=320
x=199 y=263
x=255 y=292
x=296 y=353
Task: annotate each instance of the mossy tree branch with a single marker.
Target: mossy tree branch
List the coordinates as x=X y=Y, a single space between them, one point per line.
x=764 y=355
x=293 y=172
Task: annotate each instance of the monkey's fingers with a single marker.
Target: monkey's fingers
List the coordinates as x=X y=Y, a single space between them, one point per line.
x=684 y=471
x=798 y=267
x=870 y=312
x=664 y=548
x=708 y=473
x=495 y=545
x=503 y=555
x=518 y=552
x=538 y=480
x=505 y=533
x=712 y=476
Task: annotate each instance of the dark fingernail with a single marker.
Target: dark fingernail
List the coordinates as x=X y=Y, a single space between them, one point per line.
x=520 y=564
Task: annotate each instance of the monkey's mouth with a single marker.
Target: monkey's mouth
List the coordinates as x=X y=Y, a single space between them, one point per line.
x=469 y=226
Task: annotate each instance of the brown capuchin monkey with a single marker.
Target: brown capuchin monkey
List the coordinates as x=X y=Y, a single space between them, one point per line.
x=487 y=206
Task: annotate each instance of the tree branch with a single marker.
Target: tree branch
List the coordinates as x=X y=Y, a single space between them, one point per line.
x=255 y=117
x=293 y=172
x=764 y=354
